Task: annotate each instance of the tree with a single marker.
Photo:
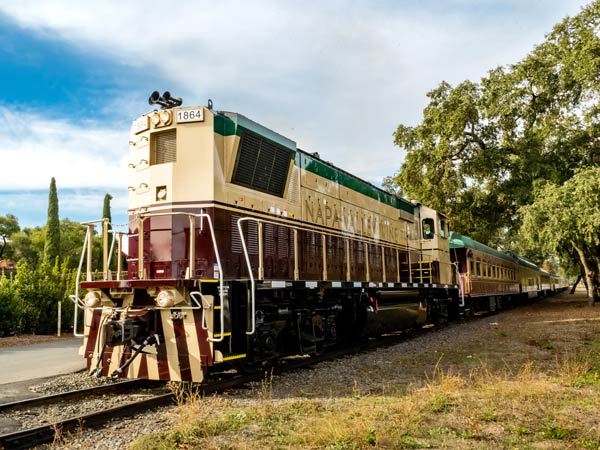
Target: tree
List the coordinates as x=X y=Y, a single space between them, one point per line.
x=28 y=245
x=9 y=225
x=52 y=244
x=106 y=208
x=72 y=235
x=482 y=148
x=565 y=220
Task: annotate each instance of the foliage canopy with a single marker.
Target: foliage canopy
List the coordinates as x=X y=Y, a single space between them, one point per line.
x=482 y=148
x=565 y=220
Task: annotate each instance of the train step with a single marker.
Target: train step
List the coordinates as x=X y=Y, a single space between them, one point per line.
x=232 y=356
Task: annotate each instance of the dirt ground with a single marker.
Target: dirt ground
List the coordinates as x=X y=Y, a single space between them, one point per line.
x=29 y=339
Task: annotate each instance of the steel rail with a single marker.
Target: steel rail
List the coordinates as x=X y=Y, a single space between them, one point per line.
x=29 y=438
x=76 y=394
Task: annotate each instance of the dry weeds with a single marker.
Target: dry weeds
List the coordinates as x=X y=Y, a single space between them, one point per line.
x=529 y=380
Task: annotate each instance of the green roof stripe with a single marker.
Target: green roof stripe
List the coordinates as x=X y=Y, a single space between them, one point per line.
x=224 y=125
x=240 y=122
x=329 y=172
x=228 y=124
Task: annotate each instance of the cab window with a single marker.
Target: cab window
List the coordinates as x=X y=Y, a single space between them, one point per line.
x=428 y=228
x=443 y=228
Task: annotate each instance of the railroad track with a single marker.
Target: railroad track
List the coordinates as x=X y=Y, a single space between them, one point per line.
x=32 y=437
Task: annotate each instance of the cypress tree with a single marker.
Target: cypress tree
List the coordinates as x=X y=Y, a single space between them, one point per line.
x=106 y=215
x=52 y=244
x=106 y=209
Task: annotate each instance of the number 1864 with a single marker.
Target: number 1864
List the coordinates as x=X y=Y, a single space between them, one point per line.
x=190 y=115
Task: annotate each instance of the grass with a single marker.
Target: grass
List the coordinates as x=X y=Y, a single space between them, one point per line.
x=524 y=384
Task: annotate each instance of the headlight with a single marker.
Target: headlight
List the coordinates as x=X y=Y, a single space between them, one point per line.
x=165 y=299
x=165 y=117
x=155 y=118
x=92 y=299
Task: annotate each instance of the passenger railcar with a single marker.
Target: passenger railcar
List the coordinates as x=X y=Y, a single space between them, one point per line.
x=243 y=248
x=491 y=279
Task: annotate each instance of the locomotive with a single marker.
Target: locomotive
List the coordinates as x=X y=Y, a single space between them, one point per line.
x=243 y=248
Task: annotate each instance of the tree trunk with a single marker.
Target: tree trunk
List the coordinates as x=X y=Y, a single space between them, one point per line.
x=575 y=284
x=589 y=275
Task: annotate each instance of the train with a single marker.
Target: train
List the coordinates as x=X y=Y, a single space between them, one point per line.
x=242 y=249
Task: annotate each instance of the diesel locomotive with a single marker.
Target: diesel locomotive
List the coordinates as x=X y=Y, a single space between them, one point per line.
x=242 y=248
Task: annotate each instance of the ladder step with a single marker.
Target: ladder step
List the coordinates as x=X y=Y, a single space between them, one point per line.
x=233 y=356
x=218 y=335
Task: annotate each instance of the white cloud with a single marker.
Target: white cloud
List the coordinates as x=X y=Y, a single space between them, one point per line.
x=34 y=148
x=337 y=77
x=31 y=206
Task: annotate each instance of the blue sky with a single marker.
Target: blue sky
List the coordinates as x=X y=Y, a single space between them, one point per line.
x=337 y=77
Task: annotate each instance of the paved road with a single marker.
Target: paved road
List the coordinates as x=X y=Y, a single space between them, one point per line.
x=40 y=360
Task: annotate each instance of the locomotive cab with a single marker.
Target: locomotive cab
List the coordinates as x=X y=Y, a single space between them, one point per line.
x=435 y=244
x=172 y=161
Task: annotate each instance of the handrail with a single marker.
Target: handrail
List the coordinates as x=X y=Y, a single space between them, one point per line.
x=247 y=257
x=79 y=305
x=460 y=283
x=76 y=299
x=192 y=257
x=363 y=239
x=205 y=306
x=115 y=235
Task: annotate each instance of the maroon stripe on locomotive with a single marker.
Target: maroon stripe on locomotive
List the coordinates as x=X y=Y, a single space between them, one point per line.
x=182 y=349
x=124 y=357
x=143 y=371
x=161 y=355
x=93 y=334
x=167 y=250
x=206 y=358
x=106 y=359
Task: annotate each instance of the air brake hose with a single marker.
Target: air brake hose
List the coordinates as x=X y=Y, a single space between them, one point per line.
x=136 y=352
x=97 y=372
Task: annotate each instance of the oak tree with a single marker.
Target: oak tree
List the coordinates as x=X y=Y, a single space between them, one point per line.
x=9 y=225
x=565 y=220
x=483 y=147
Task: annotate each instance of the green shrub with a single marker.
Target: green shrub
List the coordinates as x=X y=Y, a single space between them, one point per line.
x=8 y=308
x=29 y=300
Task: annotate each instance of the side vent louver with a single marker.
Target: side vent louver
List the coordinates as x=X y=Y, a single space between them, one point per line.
x=164 y=148
x=261 y=164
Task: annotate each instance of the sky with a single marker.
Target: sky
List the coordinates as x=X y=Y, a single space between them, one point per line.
x=337 y=77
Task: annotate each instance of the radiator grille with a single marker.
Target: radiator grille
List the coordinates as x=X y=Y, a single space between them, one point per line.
x=294 y=190
x=164 y=149
x=252 y=242
x=261 y=164
x=236 y=241
x=283 y=241
x=269 y=239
